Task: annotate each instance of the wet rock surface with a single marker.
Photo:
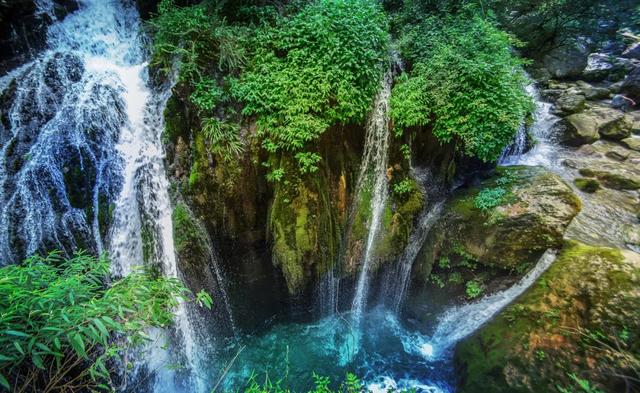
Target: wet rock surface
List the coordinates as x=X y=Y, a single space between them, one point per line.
x=547 y=334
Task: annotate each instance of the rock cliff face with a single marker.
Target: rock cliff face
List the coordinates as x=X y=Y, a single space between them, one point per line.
x=298 y=225
x=578 y=322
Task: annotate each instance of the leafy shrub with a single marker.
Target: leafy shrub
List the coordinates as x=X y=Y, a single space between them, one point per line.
x=473 y=289
x=224 y=138
x=489 y=198
x=317 y=68
x=351 y=384
x=465 y=83
x=404 y=187
x=58 y=317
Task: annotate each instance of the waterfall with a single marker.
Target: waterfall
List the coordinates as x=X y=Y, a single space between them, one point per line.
x=397 y=278
x=81 y=151
x=373 y=179
x=219 y=277
x=540 y=130
x=461 y=321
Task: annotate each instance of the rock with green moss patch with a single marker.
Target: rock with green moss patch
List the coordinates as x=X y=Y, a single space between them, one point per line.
x=586 y=184
x=618 y=180
x=582 y=317
x=532 y=216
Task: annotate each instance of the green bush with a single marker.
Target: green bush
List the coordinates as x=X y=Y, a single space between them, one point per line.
x=58 y=319
x=473 y=289
x=489 y=198
x=465 y=83
x=310 y=71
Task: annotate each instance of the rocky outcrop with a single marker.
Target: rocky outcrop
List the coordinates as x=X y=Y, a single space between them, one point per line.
x=532 y=211
x=590 y=125
x=579 y=319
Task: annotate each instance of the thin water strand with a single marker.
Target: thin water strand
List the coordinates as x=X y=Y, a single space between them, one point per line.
x=373 y=177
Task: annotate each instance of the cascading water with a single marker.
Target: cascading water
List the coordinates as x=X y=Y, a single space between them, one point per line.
x=459 y=322
x=541 y=130
x=373 y=179
x=397 y=279
x=80 y=139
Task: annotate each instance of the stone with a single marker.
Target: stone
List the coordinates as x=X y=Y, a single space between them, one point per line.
x=567 y=61
x=632 y=143
x=568 y=104
x=631 y=86
x=591 y=92
x=588 y=126
x=599 y=66
x=586 y=184
x=615 y=179
x=532 y=216
x=577 y=129
x=538 y=341
x=632 y=52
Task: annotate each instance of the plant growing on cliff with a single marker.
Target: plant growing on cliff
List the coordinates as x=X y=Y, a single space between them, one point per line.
x=224 y=138
x=489 y=198
x=465 y=83
x=310 y=71
x=58 y=318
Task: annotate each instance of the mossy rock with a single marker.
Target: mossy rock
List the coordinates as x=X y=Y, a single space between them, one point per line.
x=587 y=185
x=617 y=180
x=532 y=216
x=304 y=229
x=547 y=334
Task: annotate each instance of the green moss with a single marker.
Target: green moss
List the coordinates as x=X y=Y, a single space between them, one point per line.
x=587 y=185
x=613 y=180
x=174 y=121
x=587 y=288
x=189 y=241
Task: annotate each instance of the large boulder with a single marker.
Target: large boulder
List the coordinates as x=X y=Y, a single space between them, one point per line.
x=567 y=61
x=632 y=52
x=632 y=143
x=588 y=126
x=570 y=103
x=505 y=221
x=581 y=318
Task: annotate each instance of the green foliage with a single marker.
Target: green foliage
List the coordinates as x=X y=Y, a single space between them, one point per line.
x=404 y=187
x=583 y=385
x=197 y=38
x=444 y=263
x=489 y=198
x=206 y=95
x=57 y=318
x=224 y=138
x=351 y=384
x=473 y=289
x=317 y=68
x=465 y=83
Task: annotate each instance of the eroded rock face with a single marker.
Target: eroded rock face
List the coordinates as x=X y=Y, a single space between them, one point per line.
x=536 y=209
x=538 y=341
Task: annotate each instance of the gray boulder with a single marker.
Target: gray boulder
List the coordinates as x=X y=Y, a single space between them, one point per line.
x=568 y=60
x=632 y=52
